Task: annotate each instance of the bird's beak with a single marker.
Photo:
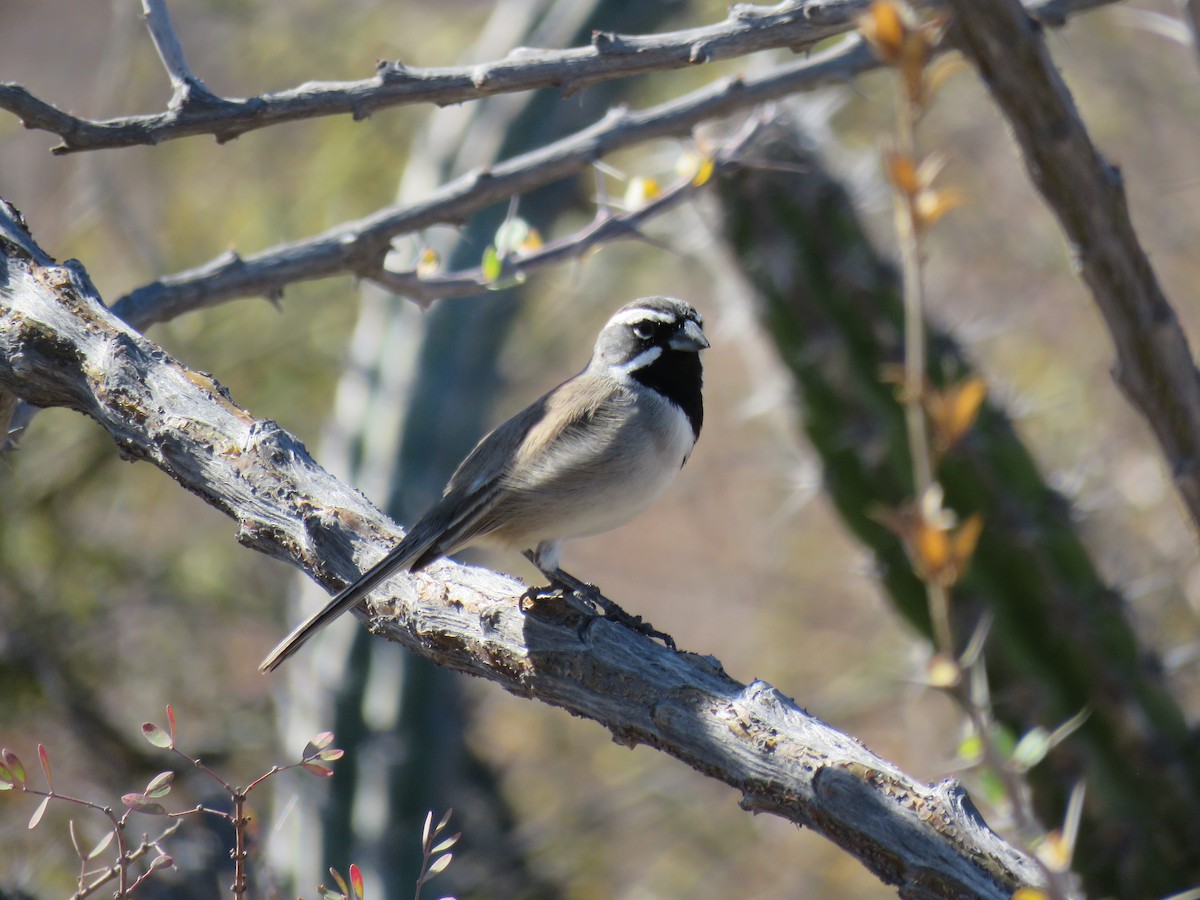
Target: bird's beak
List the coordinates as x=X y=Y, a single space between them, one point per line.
x=690 y=337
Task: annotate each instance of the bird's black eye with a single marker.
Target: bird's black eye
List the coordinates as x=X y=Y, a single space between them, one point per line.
x=643 y=330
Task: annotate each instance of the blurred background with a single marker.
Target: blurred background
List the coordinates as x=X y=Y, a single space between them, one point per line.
x=121 y=593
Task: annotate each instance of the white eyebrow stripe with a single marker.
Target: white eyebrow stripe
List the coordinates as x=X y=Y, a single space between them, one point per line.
x=640 y=314
x=643 y=359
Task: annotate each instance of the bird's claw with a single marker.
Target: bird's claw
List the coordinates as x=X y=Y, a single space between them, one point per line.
x=587 y=599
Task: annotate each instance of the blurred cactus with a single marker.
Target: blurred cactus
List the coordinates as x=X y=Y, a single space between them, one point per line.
x=1060 y=642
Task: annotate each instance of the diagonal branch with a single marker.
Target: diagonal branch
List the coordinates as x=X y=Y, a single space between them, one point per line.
x=59 y=346
x=791 y=24
x=1085 y=192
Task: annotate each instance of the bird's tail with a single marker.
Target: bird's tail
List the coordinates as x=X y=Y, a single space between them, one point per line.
x=398 y=558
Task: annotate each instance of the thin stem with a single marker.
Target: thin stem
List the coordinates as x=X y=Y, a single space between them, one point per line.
x=117 y=870
x=240 y=884
x=915 y=379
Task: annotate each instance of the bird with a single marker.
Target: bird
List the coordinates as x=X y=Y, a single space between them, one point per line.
x=582 y=459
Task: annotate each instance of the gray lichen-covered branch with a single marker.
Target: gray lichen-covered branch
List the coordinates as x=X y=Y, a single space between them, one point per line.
x=747 y=29
x=792 y=24
x=1085 y=192
x=59 y=346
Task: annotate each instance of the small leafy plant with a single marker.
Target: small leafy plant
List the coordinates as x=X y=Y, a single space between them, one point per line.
x=131 y=864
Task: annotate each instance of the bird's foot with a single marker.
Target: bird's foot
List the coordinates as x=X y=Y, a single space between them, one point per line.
x=586 y=598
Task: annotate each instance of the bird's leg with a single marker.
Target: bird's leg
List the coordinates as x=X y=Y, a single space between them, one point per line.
x=589 y=596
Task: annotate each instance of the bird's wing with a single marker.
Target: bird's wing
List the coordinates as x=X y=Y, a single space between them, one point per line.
x=447 y=525
x=546 y=436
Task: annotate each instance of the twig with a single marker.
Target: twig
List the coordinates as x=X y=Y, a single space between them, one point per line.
x=608 y=227
x=185 y=87
x=113 y=871
x=794 y=24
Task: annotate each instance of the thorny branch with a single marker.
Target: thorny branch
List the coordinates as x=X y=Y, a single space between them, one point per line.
x=193 y=110
x=59 y=346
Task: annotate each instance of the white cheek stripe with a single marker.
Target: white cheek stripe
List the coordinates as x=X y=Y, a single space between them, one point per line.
x=638 y=314
x=643 y=359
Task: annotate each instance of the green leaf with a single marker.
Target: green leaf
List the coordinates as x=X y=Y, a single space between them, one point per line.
x=511 y=235
x=317 y=744
x=339 y=881
x=160 y=785
x=491 y=265
x=12 y=765
x=970 y=749
x=101 y=845
x=333 y=753
x=157 y=736
x=992 y=787
x=1032 y=748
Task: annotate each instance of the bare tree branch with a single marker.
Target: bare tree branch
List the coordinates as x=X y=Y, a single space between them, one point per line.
x=1154 y=364
x=359 y=247
x=185 y=87
x=59 y=346
x=791 y=24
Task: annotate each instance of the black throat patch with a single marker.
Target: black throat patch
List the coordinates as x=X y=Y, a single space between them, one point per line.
x=676 y=374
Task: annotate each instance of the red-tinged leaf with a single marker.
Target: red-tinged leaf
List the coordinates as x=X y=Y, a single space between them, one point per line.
x=160 y=785
x=317 y=744
x=157 y=736
x=317 y=769
x=101 y=845
x=171 y=723
x=44 y=757
x=162 y=861
x=38 y=813
x=333 y=753
x=143 y=804
x=12 y=763
x=356 y=881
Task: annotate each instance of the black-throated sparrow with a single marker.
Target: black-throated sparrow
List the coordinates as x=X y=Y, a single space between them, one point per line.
x=584 y=458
